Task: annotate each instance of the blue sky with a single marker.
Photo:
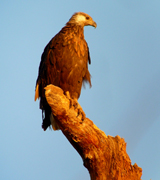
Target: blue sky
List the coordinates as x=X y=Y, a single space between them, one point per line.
x=124 y=99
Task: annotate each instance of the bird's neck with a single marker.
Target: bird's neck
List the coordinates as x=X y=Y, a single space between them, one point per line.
x=76 y=29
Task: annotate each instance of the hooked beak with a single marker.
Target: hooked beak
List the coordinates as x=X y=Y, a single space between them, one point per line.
x=94 y=24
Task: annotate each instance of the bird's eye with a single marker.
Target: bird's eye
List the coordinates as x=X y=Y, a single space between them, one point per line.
x=87 y=17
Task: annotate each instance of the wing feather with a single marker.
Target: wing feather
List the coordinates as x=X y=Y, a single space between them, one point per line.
x=36 y=92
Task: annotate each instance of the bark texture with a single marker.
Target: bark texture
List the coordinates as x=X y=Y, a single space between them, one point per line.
x=104 y=156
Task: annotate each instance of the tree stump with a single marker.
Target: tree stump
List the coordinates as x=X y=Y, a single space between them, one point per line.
x=104 y=156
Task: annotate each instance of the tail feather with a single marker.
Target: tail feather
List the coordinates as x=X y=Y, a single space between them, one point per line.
x=53 y=123
x=45 y=124
x=49 y=119
x=46 y=117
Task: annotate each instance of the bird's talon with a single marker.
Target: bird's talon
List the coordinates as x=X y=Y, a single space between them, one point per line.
x=66 y=93
x=80 y=112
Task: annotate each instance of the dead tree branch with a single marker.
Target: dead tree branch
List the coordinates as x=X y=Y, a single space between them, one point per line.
x=104 y=156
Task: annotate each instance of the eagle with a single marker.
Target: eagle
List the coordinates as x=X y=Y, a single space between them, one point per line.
x=64 y=63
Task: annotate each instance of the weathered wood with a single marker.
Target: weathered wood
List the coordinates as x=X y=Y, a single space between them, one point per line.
x=104 y=156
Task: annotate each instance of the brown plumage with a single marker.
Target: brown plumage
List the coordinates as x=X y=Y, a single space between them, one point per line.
x=64 y=63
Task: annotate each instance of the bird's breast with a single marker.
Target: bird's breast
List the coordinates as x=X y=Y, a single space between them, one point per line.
x=80 y=47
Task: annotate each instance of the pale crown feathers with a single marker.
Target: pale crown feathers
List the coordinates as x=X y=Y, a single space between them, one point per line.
x=82 y=19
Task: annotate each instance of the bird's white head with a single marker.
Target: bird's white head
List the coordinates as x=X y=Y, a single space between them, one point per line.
x=82 y=19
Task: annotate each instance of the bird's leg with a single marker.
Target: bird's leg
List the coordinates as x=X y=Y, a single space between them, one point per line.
x=73 y=102
x=80 y=112
x=75 y=105
x=79 y=109
x=67 y=94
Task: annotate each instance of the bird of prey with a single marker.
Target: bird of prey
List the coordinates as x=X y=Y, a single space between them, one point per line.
x=64 y=63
